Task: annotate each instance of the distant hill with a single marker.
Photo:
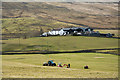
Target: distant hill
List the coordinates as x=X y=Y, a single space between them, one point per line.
x=95 y=15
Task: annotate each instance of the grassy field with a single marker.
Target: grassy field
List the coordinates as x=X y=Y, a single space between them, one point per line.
x=59 y=43
x=30 y=66
x=23 y=23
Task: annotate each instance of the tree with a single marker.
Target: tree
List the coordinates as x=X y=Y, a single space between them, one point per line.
x=41 y=31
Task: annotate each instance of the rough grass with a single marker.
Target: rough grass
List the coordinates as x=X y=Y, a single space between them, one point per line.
x=59 y=43
x=92 y=14
x=30 y=66
x=29 y=24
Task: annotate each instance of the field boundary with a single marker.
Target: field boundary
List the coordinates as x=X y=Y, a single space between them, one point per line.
x=58 y=52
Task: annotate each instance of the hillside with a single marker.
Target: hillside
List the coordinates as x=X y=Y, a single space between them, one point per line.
x=96 y=15
x=22 y=18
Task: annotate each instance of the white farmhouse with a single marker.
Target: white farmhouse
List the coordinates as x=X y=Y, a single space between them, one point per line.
x=55 y=32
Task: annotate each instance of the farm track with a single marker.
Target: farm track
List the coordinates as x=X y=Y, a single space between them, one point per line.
x=58 y=52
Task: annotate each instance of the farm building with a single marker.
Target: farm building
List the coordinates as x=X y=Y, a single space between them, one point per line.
x=57 y=32
x=75 y=31
x=78 y=30
x=67 y=31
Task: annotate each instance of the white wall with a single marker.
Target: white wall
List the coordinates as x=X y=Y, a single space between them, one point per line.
x=61 y=32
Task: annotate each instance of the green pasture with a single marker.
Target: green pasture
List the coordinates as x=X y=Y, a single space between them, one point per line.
x=58 y=43
x=30 y=66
